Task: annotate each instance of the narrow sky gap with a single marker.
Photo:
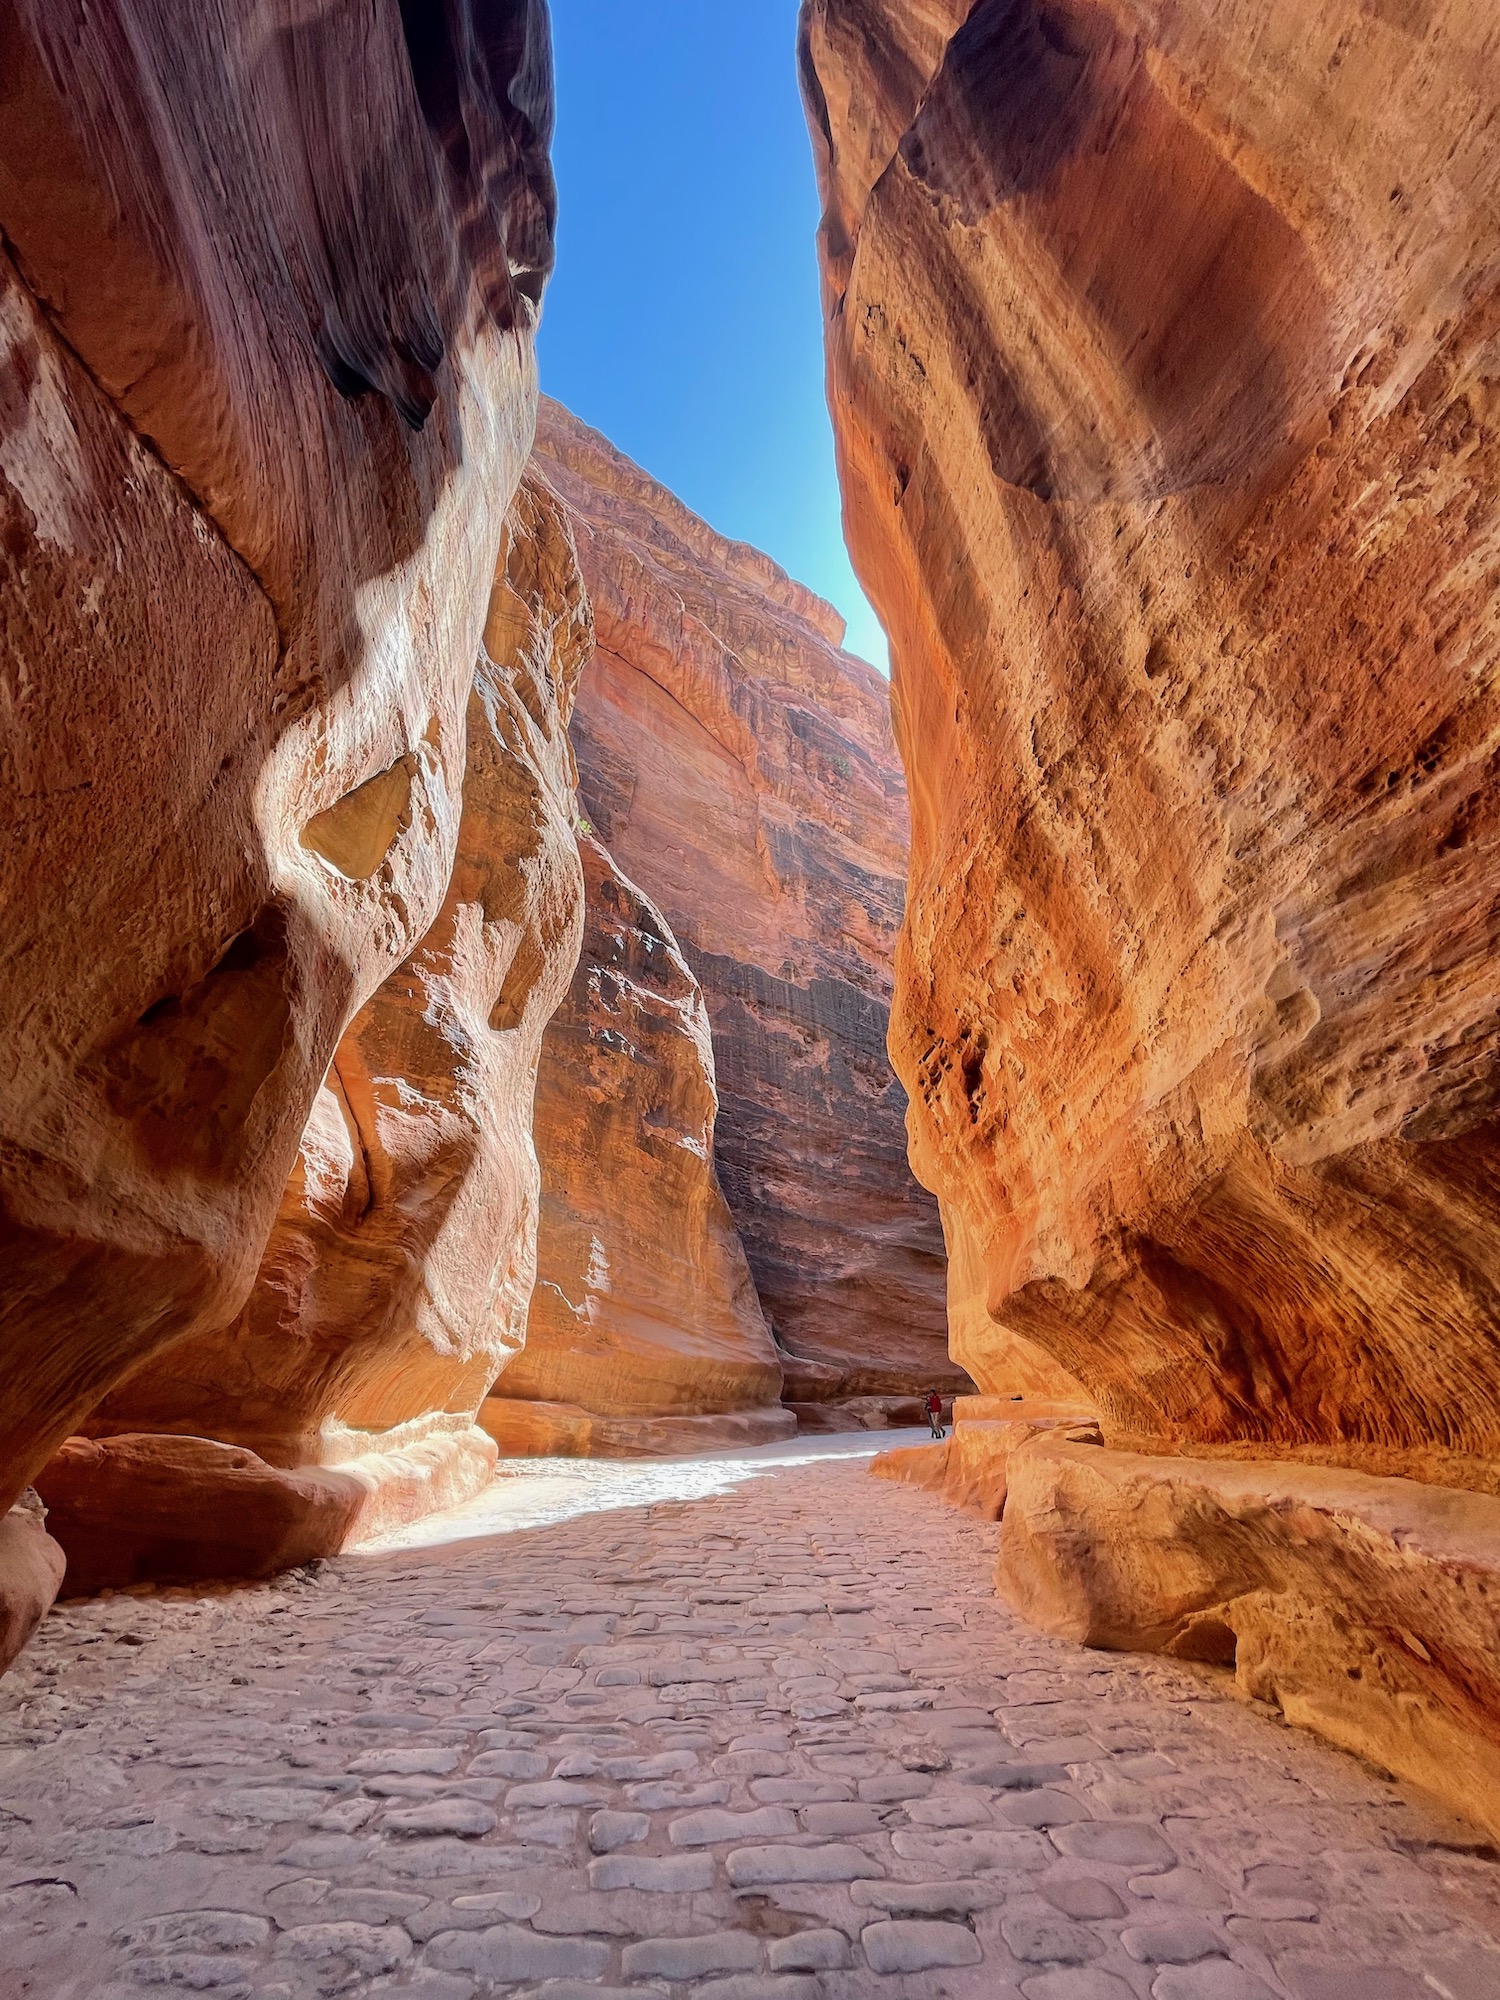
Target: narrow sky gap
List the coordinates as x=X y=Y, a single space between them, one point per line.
x=684 y=319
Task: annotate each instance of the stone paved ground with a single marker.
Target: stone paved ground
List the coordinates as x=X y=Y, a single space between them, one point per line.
x=757 y=1731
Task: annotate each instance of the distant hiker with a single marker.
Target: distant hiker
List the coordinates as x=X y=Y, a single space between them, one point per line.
x=935 y=1413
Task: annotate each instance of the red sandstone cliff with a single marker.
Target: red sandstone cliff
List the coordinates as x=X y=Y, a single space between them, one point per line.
x=397 y=1279
x=644 y=1304
x=1164 y=354
x=1170 y=458
x=740 y=767
x=268 y=388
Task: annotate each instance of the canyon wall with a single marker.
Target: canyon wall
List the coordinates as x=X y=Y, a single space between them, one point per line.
x=1164 y=355
x=1168 y=420
x=644 y=1304
x=399 y=1273
x=266 y=304
x=739 y=767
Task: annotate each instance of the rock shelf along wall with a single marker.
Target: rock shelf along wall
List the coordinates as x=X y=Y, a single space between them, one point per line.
x=266 y=306
x=1164 y=356
x=740 y=769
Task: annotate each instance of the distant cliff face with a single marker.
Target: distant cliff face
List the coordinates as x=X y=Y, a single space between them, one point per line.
x=1164 y=348
x=740 y=768
x=644 y=1304
x=267 y=392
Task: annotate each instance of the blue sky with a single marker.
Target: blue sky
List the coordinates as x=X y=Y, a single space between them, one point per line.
x=683 y=320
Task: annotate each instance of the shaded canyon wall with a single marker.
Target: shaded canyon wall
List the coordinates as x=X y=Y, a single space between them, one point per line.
x=399 y=1273
x=1164 y=355
x=739 y=767
x=266 y=306
x=1168 y=428
x=644 y=1304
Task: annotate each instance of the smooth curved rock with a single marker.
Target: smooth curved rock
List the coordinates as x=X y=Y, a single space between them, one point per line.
x=267 y=391
x=397 y=1280
x=31 y=1574
x=1367 y=1609
x=1164 y=367
x=739 y=767
x=644 y=1304
x=159 y=1509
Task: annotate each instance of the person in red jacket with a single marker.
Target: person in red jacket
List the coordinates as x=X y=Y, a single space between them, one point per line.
x=934 y=1408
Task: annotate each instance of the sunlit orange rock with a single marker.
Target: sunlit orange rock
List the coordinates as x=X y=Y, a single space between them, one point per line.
x=739 y=766
x=155 y=1508
x=267 y=391
x=398 y=1276
x=970 y=1467
x=644 y=1304
x=1164 y=354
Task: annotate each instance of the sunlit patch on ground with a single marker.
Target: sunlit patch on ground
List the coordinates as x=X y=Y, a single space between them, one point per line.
x=539 y=1492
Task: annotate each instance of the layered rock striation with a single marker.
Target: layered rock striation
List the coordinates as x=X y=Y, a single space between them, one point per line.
x=1168 y=419
x=398 y=1276
x=739 y=767
x=644 y=1304
x=268 y=389
x=1164 y=355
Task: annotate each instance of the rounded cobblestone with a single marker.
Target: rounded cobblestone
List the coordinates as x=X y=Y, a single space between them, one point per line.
x=734 y=1730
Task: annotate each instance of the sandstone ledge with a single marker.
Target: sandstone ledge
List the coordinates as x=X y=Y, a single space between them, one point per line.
x=1366 y=1609
x=970 y=1468
x=565 y=1430
x=161 y=1509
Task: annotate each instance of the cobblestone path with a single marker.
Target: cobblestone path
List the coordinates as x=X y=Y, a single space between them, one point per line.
x=754 y=1730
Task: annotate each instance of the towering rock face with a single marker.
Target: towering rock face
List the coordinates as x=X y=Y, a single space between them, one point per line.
x=644 y=1303
x=1165 y=358
x=739 y=766
x=1164 y=348
x=268 y=391
x=399 y=1273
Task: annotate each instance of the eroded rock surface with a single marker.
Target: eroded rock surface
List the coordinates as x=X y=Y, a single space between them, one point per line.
x=740 y=767
x=1165 y=361
x=268 y=390
x=398 y=1276
x=970 y=1467
x=644 y=1304
x=1367 y=1609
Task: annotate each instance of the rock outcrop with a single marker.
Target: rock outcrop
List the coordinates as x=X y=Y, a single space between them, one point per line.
x=970 y=1468
x=740 y=768
x=1164 y=355
x=1367 y=1609
x=268 y=389
x=397 y=1279
x=1167 y=385
x=644 y=1305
